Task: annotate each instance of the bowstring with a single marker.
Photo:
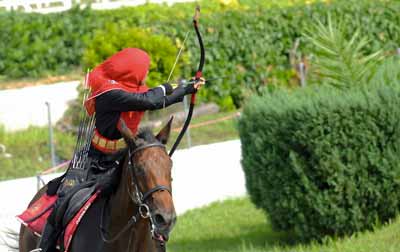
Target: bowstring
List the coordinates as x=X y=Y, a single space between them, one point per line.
x=178 y=56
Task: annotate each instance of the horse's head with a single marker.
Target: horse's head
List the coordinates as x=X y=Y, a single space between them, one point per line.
x=151 y=174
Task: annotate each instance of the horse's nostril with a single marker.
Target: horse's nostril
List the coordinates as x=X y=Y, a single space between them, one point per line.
x=159 y=219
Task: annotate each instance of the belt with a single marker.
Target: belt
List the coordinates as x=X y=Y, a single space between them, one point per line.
x=107 y=145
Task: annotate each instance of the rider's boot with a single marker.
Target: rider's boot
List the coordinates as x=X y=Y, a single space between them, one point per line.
x=48 y=241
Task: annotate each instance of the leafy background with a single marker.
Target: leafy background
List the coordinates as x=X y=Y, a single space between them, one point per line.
x=249 y=42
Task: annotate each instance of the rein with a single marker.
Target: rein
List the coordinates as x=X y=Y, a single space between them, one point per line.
x=139 y=198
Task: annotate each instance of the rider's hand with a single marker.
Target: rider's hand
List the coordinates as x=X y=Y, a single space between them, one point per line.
x=191 y=87
x=199 y=83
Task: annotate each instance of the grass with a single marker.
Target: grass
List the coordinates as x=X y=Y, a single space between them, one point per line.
x=235 y=225
x=206 y=134
x=30 y=148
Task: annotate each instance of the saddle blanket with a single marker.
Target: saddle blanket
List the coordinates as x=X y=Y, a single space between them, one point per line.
x=36 y=215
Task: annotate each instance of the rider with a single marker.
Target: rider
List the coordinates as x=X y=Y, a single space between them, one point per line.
x=119 y=97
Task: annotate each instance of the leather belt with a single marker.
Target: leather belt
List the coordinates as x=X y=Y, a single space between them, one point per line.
x=107 y=145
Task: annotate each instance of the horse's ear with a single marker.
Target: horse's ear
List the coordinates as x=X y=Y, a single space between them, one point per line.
x=163 y=135
x=126 y=133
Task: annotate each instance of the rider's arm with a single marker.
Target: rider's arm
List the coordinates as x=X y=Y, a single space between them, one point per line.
x=155 y=98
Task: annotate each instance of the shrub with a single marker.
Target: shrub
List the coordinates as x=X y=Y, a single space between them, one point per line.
x=324 y=162
x=115 y=37
x=249 y=43
x=340 y=61
x=35 y=45
x=388 y=72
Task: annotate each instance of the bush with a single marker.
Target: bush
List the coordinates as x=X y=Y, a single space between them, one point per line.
x=35 y=45
x=324 y=163
x=339 y=60
x=116 y=37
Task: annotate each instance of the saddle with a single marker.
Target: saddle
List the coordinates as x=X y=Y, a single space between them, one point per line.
x=68 y=197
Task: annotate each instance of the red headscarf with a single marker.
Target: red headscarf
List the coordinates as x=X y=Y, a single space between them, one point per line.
x=124 y=70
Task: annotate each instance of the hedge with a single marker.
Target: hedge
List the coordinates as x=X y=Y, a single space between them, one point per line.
x=248 y=42
x=117 y=37
x=35 y=45
x=325 y=162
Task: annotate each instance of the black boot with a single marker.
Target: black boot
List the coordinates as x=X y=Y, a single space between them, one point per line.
x=48 y=241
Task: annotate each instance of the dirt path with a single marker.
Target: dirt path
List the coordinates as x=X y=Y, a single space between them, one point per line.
x=20 y=108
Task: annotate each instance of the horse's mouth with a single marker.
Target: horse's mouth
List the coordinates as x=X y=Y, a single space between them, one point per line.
x=162 y=238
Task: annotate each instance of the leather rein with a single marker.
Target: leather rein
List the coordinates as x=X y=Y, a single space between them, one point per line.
x=139 y=199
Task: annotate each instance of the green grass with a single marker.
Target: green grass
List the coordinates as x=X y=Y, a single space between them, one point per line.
x=212 y=133
x=30 y=151
x=237 y=226
x=30 y=148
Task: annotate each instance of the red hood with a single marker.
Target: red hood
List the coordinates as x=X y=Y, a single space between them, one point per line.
x=124 y=70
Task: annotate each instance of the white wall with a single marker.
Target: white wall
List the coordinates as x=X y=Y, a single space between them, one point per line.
x=20 y=108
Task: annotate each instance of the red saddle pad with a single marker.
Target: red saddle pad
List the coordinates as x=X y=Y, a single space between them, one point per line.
x=36 y=215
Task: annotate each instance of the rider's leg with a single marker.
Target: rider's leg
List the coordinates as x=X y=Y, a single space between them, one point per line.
x=50 y=234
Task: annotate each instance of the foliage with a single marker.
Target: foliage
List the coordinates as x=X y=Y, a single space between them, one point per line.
x=321 y=166
x=34 y=45
x=248 y=42
x=114 y=37
x=388 y=73
x=339 y=61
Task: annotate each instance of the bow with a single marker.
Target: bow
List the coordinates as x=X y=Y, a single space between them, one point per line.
x=199 y=74
x=196 y=17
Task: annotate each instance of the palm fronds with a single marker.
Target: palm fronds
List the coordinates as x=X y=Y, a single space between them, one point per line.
x=338 y=60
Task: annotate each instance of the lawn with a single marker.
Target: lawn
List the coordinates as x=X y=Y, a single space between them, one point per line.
x=29 y=149
x=235 y=225
x=223 y=128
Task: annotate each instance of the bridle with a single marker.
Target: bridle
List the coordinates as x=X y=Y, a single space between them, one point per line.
x=142 y=197
x=139 y=198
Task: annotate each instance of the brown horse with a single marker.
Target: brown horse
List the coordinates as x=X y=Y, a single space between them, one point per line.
x=140 y=212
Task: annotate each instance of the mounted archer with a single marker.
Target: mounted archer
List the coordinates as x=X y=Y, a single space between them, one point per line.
x=118 y=99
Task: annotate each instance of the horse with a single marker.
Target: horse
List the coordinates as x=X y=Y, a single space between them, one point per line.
x=140 y=211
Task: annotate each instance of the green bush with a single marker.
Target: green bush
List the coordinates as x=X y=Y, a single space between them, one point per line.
x=324 y=161
x=35 y=45
x=339 y=60
x=248 y=42
x=115 y=37
x=388 y=72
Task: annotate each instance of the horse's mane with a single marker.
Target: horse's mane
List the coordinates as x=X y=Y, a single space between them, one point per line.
x=147 y=135
x=143 y=137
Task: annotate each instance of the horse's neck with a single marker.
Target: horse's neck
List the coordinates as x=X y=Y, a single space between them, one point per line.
x=122 y=197
x=122 y=209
